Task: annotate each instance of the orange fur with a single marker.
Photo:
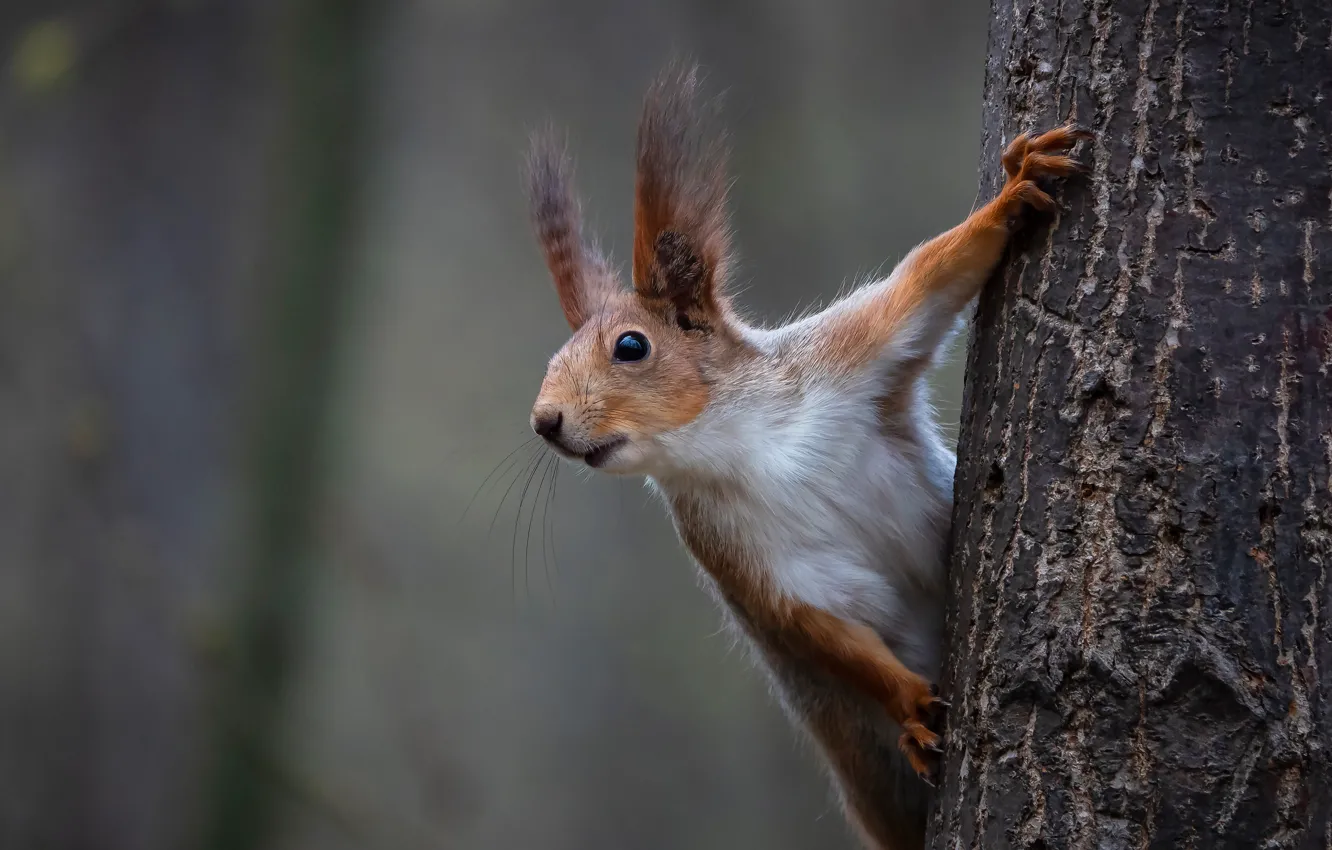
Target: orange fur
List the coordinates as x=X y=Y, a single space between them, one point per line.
x=739 y=579
x=844 y=666
x=682 y=237
x=680 y=260
x=854 y=652
x=583 y=278
x=838 y=675
x=661 y=394
x=851 y=651
x=855 y=755
x=953 y=266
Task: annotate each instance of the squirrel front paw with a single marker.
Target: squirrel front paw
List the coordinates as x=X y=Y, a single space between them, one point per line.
x=919 y=742
x=1029 y=160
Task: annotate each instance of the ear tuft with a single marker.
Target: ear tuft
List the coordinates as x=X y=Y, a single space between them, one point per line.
x=679 y=268
x=682 y=239
x=582 y=276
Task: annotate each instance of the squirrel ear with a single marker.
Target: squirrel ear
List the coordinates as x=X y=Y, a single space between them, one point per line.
x=682 y=237
x=583 y=278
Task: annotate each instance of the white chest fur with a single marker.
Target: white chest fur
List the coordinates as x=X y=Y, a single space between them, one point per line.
x=836 y=514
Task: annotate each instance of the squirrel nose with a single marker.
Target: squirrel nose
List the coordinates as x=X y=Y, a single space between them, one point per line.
x=547 y=423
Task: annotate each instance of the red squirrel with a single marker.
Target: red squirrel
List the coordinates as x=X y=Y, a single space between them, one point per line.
x=801 y=465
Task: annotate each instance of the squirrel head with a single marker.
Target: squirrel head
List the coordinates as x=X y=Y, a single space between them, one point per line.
x=643 y=362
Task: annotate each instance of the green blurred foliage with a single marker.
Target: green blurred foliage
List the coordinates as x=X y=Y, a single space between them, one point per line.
x=45 y=56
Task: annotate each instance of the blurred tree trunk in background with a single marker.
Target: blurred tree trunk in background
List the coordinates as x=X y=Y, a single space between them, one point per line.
x=309 y=245
x=1140 y=633
x=133 y=140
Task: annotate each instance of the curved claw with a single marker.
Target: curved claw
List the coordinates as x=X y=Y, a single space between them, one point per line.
x=1080 y=132
x=1030 y=161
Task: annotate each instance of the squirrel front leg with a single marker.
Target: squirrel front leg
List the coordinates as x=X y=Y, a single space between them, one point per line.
x=906 y=316
x=903 y=321
x=855 y=653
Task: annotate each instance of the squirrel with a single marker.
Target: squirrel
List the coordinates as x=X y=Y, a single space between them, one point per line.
x=801 y=465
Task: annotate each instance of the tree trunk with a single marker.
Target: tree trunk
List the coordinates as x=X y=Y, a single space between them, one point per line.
x=313 y=220
x=1139 y=615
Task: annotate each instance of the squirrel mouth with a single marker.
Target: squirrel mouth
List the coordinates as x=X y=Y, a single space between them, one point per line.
x=598 y=456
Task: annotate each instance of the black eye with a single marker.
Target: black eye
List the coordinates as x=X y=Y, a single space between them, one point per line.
x=631 y=346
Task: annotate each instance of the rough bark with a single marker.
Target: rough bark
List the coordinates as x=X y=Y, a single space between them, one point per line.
x=1139 y=625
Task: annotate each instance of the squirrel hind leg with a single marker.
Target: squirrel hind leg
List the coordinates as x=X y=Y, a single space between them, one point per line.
x=886 y=803
x=882 y=798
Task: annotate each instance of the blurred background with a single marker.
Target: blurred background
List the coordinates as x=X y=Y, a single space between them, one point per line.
x=271 y=317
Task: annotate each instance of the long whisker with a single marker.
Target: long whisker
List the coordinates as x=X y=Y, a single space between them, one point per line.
x=517 y=516
x=531 y=518
x=494 y=470
x=546 y=532
x=499 y=509
x=549 y=524
x=509 y=489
